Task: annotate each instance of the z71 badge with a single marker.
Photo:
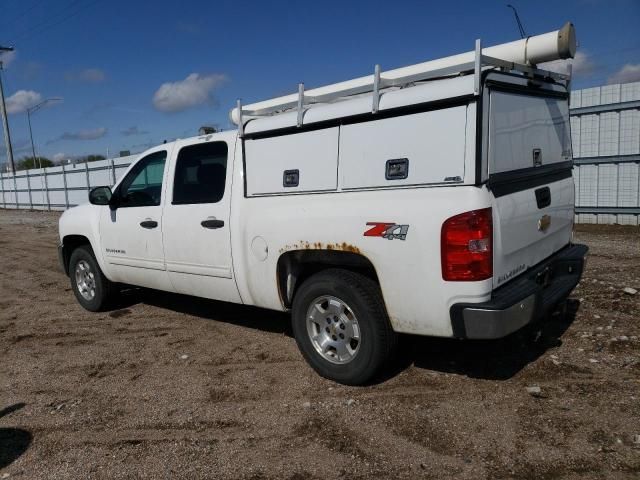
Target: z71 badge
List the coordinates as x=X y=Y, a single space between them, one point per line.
x=387 y=230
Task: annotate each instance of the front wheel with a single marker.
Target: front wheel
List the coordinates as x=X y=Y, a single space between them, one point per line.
x=341 y=326
x=92 y=289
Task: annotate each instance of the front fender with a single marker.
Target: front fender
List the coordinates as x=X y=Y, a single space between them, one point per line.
x=84 y=221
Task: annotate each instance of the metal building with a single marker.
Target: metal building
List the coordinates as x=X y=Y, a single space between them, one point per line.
x=605 y=128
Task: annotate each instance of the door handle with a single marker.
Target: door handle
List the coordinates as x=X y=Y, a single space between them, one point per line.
x=212 y=223
x=148 y=223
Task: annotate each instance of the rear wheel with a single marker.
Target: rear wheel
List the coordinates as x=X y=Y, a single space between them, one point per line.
x=92 y=289
x=341 y=326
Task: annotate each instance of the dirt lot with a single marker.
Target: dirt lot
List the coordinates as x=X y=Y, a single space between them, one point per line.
x=169 y=386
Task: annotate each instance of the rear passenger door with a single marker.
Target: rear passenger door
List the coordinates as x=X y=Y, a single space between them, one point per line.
x=196 y=234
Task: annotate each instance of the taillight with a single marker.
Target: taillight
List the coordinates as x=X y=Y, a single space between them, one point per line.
x=466 y=241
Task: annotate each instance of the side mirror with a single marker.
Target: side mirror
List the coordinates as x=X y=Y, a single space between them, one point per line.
x=100 y=196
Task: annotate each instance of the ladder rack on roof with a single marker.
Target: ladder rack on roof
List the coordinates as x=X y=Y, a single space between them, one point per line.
x=464 y=64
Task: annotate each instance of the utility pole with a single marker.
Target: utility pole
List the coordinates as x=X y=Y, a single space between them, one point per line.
x=5 y=122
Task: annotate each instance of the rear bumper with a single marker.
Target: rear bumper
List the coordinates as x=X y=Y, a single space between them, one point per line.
x=523 y=300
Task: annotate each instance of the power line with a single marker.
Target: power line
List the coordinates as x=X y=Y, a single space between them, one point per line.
x=56 y=19
x=29 y=9
x=47 y=20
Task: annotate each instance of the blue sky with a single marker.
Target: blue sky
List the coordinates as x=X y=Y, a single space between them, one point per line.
x=135 y=73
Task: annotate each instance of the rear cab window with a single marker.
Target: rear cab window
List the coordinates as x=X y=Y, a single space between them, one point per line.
x=200 y=173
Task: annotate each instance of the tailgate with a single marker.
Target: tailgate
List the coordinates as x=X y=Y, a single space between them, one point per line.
x=530 y=176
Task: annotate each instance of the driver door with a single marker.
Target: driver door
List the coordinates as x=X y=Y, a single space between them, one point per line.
x=132 y=233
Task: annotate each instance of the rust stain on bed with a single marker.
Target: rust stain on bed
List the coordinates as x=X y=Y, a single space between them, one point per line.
x=305 y=245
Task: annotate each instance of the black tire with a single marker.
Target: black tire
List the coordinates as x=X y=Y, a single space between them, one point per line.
x=104 y=290
x=377 y=340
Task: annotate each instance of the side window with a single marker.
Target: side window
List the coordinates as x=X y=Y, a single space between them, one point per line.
x=201 y=171
x=142 y=187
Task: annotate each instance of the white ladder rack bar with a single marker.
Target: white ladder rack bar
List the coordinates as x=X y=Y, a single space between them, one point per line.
x=376 y=89
x=477 y=68
x=380 y=83
x=300 y=103
x=241 y=122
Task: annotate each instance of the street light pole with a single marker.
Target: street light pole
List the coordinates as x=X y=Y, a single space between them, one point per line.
x=31 y=110
x=5 y=122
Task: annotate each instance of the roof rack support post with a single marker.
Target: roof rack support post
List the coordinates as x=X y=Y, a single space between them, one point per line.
x=240 y=119
x=376 y=89
x=300 y=103
x=477 y=71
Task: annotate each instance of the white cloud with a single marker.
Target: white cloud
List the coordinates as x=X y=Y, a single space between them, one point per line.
x=582 y=65
x=627 y=74
x=58 y=157
x=21 y=100
x=194 y=90
x=7 y=58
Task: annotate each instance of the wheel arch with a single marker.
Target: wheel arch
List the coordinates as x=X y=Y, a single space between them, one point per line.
x=295 y=266
x=69 y=244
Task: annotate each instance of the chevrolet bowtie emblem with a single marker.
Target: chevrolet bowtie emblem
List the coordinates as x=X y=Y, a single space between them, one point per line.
x=544 y=223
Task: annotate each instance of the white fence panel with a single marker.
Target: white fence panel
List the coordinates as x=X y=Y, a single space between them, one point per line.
x=58 y=188
x=605 y=125
x=100 y=177
x=589 y=128
x=76 y=177
x=607 y=185
x=77 y=197
x=629 y=128
x=21 y=182
x=57 y=199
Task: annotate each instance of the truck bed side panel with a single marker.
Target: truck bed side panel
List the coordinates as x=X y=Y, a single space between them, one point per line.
x=409 y=270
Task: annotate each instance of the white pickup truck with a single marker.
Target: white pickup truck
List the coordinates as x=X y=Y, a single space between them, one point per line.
x=435 y=199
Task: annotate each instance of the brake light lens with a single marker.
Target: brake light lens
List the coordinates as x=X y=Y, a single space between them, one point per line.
x=466 y=246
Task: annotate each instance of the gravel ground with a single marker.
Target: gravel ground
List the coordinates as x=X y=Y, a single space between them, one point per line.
x=170 y=386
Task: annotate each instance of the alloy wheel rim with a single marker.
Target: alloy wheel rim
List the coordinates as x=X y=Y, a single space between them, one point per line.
x=85 y=280
x=333 y=329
